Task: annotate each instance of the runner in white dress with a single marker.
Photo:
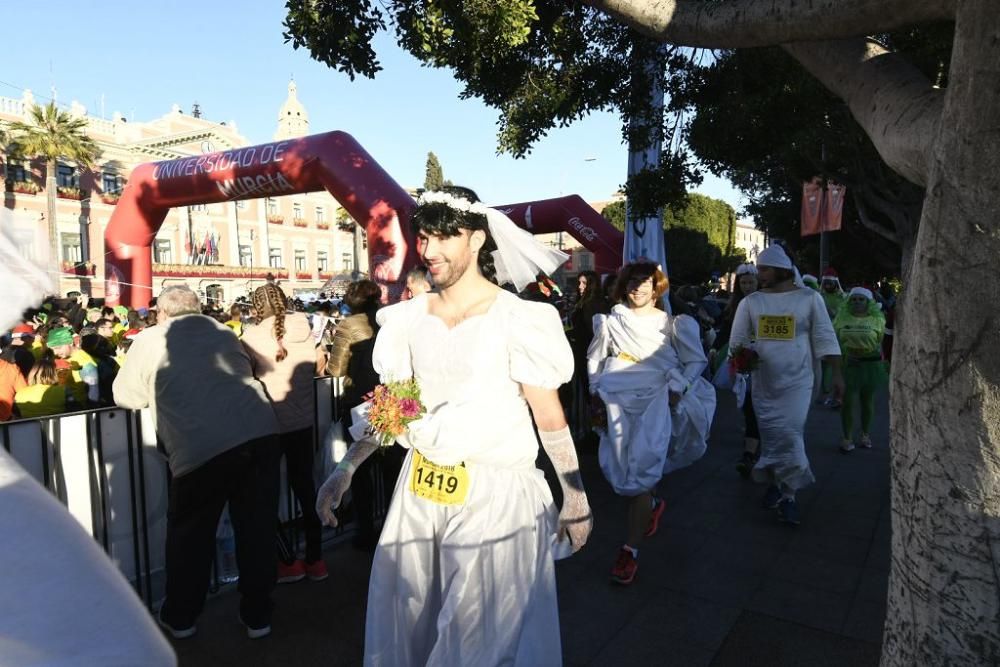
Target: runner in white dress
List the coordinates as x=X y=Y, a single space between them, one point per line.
x=466 y=576
x=646 y=366
x=791 y=329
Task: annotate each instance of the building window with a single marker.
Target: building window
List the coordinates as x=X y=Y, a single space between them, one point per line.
x=199 y=208
x=71 y=248
x=300 y=260
x=272 y=207
x=246 y=255
x=296 y=211
x=274 y=259
x=162 y=253
x=241 y=204
x=15 y=171
x=111 y=182
x=347 y=260
x=66 y=177
x=321 y=260
x=320 y=214
x=585 y=261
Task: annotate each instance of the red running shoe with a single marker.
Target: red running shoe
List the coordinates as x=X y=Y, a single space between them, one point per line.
x=288 y=574
x=317 y=571
x=654 y=519
x=624 y=570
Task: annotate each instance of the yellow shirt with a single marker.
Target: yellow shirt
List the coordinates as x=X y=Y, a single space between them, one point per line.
x=40 y=400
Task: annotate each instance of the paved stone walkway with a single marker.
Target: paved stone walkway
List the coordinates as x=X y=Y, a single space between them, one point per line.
x=722 y=583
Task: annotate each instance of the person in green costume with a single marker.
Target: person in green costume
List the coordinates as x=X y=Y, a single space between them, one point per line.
x=860 y=327
x=833 y=298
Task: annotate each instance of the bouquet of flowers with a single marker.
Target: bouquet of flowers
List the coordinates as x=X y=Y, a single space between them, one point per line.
x=393 y=406
x=743 y=360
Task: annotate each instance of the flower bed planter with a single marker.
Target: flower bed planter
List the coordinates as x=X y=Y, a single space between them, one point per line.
x=323 y=225
x=275 y=220
x=325 y=275
x=25 y=188
x=303 y=275
x=300 y=223
x=69 y=193
x=81 y=269
x=216 y=271
x=110 y=198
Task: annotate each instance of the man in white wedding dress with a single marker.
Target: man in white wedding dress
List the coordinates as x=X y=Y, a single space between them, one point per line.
x=463 y=573
x=790 y=330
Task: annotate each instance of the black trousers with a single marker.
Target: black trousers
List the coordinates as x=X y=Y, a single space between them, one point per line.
x=247 y=477
x=297 y=447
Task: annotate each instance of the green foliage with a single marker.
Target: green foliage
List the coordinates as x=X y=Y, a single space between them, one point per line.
x=433 y=174
x=699 y=233
x=52 y=135
x=762 y=121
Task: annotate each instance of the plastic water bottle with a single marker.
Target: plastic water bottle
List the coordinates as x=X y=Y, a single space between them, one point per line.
x=225 y=551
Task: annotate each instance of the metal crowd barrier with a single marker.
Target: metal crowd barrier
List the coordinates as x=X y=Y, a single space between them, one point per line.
x=104 y=465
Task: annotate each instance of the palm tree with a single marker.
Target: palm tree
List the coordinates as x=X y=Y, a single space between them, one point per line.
x=52 y=134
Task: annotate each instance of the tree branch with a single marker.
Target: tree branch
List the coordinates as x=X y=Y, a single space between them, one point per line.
x=870 y=224
x=744 y=23
x=891 y=99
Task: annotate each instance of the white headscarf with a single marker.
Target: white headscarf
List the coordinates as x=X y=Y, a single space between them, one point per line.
x=775 y=256
x=746 y=268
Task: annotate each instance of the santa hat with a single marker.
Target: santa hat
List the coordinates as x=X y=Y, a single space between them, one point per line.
x=22 y=330
x=831 y=273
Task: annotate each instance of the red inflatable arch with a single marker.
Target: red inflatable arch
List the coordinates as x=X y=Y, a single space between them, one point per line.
x=333 y=161
x=575 y=216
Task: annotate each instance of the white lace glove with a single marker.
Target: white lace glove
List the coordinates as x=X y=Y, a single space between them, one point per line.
x=575 y=517
x=332 y=491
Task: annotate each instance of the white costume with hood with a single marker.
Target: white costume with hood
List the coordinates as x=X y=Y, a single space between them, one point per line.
x=783 y=381
x=633 y=363
x=470 y=584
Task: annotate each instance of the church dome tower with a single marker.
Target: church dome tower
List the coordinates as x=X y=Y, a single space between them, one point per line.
x=293 y=121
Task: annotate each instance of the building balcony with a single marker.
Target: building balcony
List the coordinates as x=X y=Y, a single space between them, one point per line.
x=323 y=225
x=300 y=222
x=217 y=271
x=276 y=219
x=303 y=275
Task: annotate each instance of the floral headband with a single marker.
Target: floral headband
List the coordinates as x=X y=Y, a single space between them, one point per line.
x=519 y=256
x=457 y=203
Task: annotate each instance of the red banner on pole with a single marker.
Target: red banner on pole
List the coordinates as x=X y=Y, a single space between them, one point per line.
x=812 y=207
x=834 y=208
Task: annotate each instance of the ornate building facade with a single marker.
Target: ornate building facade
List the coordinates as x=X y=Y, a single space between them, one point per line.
x=221 y=250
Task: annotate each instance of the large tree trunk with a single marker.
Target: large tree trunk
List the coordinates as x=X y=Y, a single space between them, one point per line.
x=55 y=261
x=944 y=586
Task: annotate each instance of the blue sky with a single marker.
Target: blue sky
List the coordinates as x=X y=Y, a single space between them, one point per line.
x=230 y=58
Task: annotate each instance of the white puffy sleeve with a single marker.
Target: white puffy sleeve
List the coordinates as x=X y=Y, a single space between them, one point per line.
x=540 y=355
x=600 y=347
x=687 y=343
x=391 y=354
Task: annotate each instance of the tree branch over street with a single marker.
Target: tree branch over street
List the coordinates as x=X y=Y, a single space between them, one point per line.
x=747 y=23
x=891 y=99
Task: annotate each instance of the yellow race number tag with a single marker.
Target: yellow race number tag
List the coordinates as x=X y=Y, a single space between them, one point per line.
x=776 y=327
x=625 y=356
x=445 y=485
